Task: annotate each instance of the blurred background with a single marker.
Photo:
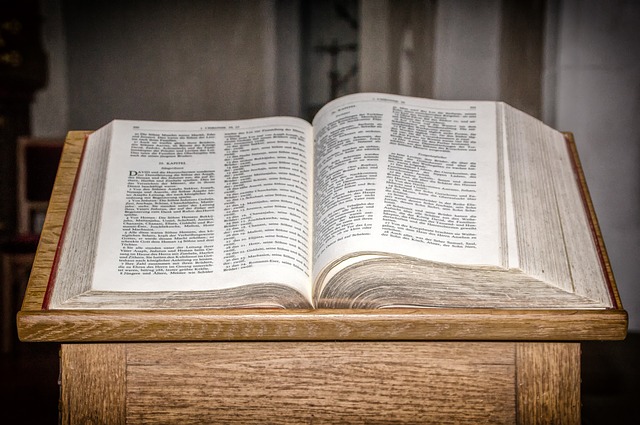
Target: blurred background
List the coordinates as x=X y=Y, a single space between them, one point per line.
x=575 y=64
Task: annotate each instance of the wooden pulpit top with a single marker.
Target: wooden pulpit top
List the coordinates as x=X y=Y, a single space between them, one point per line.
x=443 y=324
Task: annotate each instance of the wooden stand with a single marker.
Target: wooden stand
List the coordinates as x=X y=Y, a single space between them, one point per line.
x=309 y=366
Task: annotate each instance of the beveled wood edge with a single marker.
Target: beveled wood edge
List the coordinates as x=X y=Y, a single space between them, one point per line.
x=52 y=227
x=322 y=325
x=593 y=219
x=36 y=324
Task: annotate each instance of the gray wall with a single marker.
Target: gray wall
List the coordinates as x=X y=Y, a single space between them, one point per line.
x=597 y=97
x=216 y=60
x=160 y=60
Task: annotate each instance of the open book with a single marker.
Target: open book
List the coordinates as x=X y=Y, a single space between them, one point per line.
x=383 y=201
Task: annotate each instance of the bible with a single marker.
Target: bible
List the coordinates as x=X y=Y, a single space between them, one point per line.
x=382 y=201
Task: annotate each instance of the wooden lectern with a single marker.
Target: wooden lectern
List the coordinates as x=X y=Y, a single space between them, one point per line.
x=313 y=366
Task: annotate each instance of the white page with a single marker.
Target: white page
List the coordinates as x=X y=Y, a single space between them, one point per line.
x=168 y=206
x=418 y=197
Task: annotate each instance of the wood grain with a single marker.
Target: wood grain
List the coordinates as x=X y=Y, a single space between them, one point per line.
x=548 y=380
x=321 y=382
x=92 y=384
x=330 y=382
x=291 y=325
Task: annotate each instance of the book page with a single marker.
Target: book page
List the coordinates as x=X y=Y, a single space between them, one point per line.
x=555 y=240
x=407 y=176
x=206 y=205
